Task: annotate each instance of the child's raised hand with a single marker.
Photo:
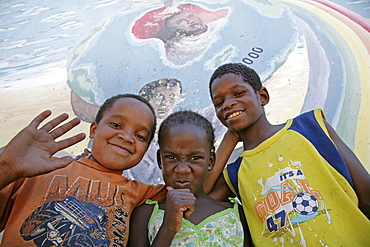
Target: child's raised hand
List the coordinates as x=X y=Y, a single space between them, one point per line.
x=179 y=204
x=29 y=152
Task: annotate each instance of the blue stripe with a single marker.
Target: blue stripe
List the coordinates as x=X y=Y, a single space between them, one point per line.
x=307 y=126
x=233 y=170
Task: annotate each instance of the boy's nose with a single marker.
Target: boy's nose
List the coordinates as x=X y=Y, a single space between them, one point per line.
x=229 y=104
x=127 y=137
x=182 y=167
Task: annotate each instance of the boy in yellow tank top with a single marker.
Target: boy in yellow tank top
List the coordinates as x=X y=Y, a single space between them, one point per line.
x=300 y=185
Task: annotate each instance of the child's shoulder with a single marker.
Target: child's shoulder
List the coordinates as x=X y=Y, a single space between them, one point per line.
x=220 y=205
x=310 y=124
x=316 y=115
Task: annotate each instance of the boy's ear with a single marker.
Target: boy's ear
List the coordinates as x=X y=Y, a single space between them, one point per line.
x=93 y=127
x=159 y=162
x=264 y=96
x=212 y=161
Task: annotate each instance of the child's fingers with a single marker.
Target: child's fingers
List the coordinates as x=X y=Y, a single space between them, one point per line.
x=188 y=212
x=70 y=141
x=53 y=123
x=65 y=128
x=187 y=208
x=39 y=118
x=180 y=193
x=169 y=188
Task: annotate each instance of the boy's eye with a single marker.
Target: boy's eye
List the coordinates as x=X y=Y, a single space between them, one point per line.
x=114 y=125
x=196 y=158
x=218 y=103
x=141 y=137
x=239 y=93
x=170 y=157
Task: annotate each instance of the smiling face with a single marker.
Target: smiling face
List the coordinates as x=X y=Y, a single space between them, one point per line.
x=185 y=157
x=122 y=135
x=237 y=104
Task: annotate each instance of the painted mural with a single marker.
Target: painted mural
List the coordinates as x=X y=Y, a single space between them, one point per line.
x=70 y=56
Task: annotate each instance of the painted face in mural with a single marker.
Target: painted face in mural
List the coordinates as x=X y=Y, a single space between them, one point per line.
x=186 y=23
x=163 y=95
x=164 y=99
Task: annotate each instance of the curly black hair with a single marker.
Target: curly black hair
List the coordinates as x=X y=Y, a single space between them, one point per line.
x=188 y=117
x=249 y=75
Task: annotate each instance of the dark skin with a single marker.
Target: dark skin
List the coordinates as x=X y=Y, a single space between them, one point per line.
x=185 y=159
x=30 y=152
x=231 y=94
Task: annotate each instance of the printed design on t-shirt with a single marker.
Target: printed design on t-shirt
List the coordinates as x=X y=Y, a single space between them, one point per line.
x=66 y=223
x=287 y=200
x=306 y=205
x=79 y=212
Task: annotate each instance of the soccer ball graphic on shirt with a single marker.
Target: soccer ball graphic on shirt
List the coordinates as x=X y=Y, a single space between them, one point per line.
x=306 y=205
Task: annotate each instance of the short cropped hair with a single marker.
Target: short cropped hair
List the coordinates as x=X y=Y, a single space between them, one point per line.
x=109 y=103
x=188 y=117
x=249 y=75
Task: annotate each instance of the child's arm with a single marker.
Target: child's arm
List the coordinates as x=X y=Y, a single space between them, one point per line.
x=29 y=152
x=223 y=153
x=138 y=233
x=247 y=234
x=360 y=176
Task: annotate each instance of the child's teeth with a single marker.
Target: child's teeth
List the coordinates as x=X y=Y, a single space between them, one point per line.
x=234 y=114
